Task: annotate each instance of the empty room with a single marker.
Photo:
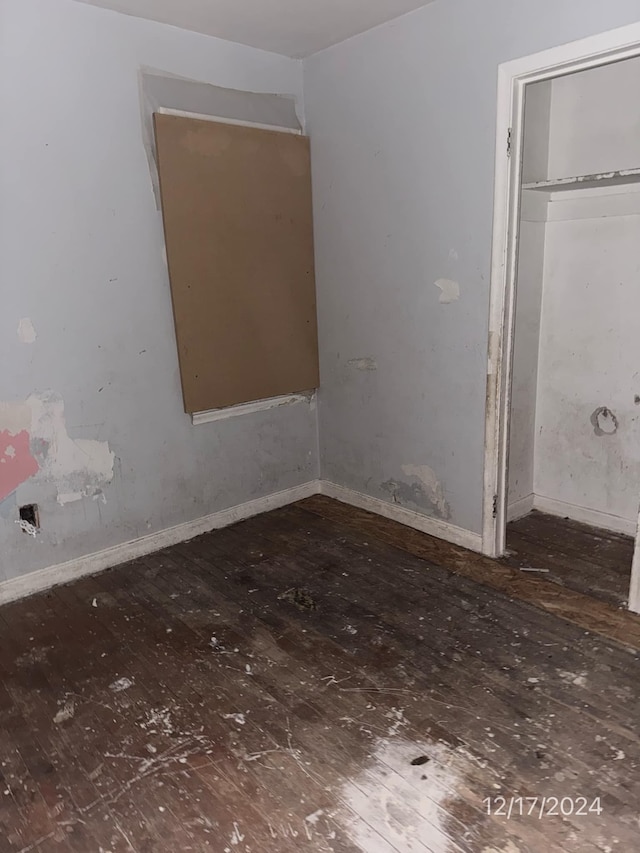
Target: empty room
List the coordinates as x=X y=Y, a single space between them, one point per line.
x=319 y=426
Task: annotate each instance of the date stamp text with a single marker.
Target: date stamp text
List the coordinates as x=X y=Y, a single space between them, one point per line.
x=541 y=807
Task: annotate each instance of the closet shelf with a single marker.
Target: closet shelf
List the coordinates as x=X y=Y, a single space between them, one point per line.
x=604 y=179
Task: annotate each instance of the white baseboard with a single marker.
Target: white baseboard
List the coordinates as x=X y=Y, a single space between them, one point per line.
x=520 y=508
x=37 y=581
x=424 y=523
x=587 y=516
x=42 y=579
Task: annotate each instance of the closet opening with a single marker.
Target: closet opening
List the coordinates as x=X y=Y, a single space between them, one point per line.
x=564 y=372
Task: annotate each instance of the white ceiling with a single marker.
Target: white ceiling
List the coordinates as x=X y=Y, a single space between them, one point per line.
x=292 y=27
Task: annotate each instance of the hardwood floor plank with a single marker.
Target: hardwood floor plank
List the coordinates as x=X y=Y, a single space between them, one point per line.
x=587 y=559
x=583 y=610
x=396 y=631
x=309 y=680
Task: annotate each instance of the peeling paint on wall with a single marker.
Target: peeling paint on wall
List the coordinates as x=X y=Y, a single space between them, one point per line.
x=35 y=445
x=363 y=363
x=406 y=493
x=75 y=465
x=432 y=486
x=449 y=290
x=69 y=497
x=26 y=332
x=427 y=493
x=16 y=462
x=14 y=417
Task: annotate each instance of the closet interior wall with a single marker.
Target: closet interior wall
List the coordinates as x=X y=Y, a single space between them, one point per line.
x=574 y=446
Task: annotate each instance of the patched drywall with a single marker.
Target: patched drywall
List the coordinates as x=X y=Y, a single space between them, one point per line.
x=367 y=363
x=422 y=489
x=402 y=123
x=82 y=256
x=42 y=451
x=26 y=331
x=449 y=290
x=79 y=467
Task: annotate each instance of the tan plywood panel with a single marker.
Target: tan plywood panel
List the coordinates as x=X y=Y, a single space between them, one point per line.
x=238 y=226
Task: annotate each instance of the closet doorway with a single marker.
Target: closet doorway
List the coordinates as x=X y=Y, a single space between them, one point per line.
x=562 y=447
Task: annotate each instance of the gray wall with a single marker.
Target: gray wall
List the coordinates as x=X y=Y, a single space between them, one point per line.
x=82 y=257
x=402 y=122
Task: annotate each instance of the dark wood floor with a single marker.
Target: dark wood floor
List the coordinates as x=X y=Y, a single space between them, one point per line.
x=588 y=559
x=297 y=683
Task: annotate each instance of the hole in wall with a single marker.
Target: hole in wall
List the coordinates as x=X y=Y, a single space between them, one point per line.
x=604 y=421
x=29 y=514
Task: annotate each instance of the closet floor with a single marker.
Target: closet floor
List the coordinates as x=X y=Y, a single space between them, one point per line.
x=303 y=681
x=587 y=559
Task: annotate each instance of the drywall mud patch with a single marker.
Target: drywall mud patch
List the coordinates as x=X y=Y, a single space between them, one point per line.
x=604 y=422
x=363 y=363
x=426 y=492
x=427 y=477
x=36 y=446
x=26 y=332
x=449 y=290
x=78 y=467
x=406 y=493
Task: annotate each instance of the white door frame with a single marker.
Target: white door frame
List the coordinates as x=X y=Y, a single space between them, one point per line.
x=513 y=76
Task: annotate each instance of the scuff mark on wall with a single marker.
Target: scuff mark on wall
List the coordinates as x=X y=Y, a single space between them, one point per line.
x=604 y=422
x=363 y=363
x=26 y=332
x=35 y=445
x=449 y=290
x=427 y=493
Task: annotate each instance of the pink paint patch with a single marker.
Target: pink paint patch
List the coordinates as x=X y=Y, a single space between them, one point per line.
x=16 y=462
